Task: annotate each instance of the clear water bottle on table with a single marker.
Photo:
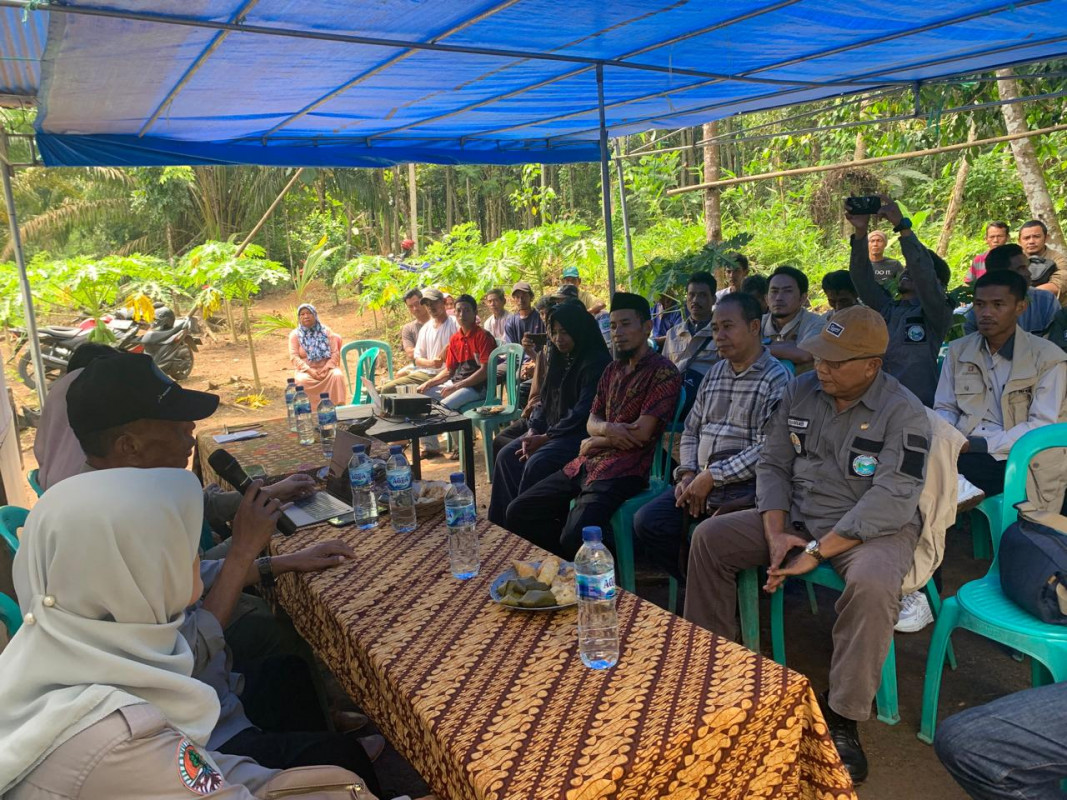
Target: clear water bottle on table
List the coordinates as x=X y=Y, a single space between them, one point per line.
x=361 y=478
x=401 y=497
x=290 y=394
x=461 y=517
x=327 y=423
x=598 y=624
x=305 y=425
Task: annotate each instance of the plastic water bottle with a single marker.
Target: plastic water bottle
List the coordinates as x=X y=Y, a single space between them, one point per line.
x=361 y=478
x=327 y=423
x=401 y=498
x=305 y=425
x=290 y=393
x=598 y=624
x=461 y=516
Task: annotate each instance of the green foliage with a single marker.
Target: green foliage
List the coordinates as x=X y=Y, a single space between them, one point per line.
x=313 y=267
x=213 y=272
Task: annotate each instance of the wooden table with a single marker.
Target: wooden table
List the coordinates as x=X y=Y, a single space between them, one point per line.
x=494 y=704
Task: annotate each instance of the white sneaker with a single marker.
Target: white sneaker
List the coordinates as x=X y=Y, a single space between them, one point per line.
x=915 y=613
x=965 y=490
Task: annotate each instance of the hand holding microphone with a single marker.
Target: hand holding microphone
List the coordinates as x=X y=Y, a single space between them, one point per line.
x=257 y=509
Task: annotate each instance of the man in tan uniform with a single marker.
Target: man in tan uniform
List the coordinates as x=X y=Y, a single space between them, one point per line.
x=839 y=480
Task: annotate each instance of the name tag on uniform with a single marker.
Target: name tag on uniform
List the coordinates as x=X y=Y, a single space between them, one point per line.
x=796 y=422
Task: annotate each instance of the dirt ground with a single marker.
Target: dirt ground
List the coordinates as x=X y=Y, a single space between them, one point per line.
x=902 y=768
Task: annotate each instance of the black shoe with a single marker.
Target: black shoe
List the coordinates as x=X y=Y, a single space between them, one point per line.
x=846 y=737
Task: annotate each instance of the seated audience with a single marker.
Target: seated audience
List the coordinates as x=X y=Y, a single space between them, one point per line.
x=788 y=322
x=839 y=291
x=1048 y=267
x=690 y=345
x=420 y=315
x=1057 y=331
x=996 y=234
x=723 y=434
x=665 y=315
x=1000 y=382
x=920 y=319
x=1041 y=306
x=840 y=475
x=757 y=286
x=56 y=447
x=315 y=351
x=884 y=268
x=1011 y=748
x=498 y=315
x=737 y=273
x=98 y=696
x=571 y=277
x=450 y=304
x=576 y=357
x=463 y=377
x=637 y=395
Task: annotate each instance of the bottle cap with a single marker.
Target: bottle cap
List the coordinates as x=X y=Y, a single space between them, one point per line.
x=592 y=534
x=456 y=477
x=300 y=387
x=359 y=448
x=290 y=380
x=396 y=449
x=324 y=395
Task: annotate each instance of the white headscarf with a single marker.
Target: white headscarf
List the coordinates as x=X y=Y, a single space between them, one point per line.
x=105 y=565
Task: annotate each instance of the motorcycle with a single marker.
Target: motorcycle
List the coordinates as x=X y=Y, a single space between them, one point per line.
x=58 y=344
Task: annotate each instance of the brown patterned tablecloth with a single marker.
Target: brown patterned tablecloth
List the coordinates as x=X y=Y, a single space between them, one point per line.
x=279 y=452
x=490 y=703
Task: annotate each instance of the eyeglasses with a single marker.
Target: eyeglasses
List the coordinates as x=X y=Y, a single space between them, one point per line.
x=837 y=364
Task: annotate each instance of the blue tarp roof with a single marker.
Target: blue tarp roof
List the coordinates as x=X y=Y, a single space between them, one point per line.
x=302 y=84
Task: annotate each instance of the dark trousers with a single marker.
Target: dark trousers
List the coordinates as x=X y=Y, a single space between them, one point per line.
x=983 y=471
x=658 y=532
x=508 y=435
x=543 y=514
x=1013 y=747
x=512 y=477
x=291 y=730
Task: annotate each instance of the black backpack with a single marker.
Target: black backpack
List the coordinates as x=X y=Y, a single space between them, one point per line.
x=1033 y=564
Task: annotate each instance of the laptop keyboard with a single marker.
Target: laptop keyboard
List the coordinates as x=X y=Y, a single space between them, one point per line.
x=321 y=505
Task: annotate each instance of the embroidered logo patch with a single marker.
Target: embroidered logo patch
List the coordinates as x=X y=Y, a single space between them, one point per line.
x=196 y=773
x=864 y=466
x=835 y=329
x=916 y=333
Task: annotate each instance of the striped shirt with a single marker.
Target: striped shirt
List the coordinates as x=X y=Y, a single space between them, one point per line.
x=729 y=414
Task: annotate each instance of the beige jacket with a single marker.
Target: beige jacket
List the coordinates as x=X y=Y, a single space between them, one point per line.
x=135 y=754
x=938 y=501
x=1033 y=357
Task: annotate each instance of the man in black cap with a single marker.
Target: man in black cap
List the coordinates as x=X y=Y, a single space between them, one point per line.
x=637 y=395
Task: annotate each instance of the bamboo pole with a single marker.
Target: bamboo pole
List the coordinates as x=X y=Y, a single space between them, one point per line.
x=785 y=173
x=267 y=213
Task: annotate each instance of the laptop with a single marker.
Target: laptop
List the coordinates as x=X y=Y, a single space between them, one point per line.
x=322 y=506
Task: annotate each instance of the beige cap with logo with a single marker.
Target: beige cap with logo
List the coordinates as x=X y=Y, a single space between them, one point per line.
x=855 y=332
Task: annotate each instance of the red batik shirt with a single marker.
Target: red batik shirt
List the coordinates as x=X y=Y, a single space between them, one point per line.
x=651 y=389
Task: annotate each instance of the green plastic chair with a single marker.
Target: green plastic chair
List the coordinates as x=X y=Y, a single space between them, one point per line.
x=359 y=347
x=10 y=615
x=12 y=519
x=826 y=575
x=32 y=476
x=365 y=366
x=622 y=521
x=488 y=424
x=985 y=518
x=981 y=607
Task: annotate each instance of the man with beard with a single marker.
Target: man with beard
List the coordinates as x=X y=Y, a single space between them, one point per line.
x=636 y=397
x=788 y=321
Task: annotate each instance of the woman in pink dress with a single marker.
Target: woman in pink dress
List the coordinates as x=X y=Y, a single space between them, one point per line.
x=315 y=351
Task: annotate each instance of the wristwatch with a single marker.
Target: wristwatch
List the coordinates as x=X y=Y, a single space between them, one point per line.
x=904 y=223
x=679 y=472
x=812 y=549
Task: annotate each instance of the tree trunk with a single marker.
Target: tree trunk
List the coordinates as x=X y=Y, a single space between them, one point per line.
x=320 y=186
x=956 y=200
x=252 y=348
x=1030 y=172
x=229 y=319
x=413 y=209
x=543 y=195
x=450 y=212
x=712 y=207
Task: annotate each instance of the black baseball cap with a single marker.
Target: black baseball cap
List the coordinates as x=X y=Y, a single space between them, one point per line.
x=114 y=391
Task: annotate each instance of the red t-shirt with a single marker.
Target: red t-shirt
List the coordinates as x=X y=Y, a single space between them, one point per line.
x=467 y=352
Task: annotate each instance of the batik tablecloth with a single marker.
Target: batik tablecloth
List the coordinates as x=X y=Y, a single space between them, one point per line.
x=489 y=703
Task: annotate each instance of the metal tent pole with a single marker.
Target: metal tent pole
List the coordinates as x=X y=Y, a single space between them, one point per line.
x=605 y=180
x=24 y=282
x=625 y=219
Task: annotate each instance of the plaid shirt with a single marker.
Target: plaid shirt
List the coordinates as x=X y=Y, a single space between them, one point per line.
x=651 y=389
x=729 y=414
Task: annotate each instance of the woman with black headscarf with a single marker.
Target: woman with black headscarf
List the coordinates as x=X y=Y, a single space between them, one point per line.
x=576 y=359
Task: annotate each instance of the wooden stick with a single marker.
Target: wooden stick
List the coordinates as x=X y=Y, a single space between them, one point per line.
x=865 y=161
x=267 y=213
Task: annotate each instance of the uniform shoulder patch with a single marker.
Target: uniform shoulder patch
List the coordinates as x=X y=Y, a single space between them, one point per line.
x=197 y=773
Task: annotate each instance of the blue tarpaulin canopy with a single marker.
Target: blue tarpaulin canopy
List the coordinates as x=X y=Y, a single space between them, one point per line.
x=375 y=83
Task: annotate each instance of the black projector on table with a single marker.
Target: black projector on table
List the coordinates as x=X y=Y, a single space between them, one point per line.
x=406 y=405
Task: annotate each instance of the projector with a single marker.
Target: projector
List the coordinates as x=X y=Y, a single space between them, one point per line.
x=410 y=405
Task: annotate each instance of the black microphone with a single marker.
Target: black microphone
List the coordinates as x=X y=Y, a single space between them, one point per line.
x=227 y=468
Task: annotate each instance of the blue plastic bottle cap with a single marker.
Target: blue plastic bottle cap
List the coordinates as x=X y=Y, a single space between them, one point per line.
x=300 y=387
x=396 y=449
x=456 y=477
x=359 y=448
x=592 y=534
x=324 y=395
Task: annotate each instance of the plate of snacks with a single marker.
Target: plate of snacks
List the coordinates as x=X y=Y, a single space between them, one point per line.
x=429 y=495
x=536 y=585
